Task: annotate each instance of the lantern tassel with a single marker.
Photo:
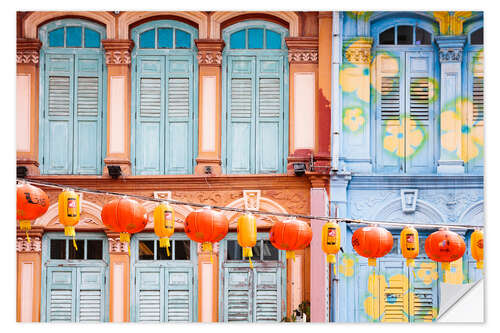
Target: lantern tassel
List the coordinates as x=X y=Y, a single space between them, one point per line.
x=372 y=262
x=334 y=269
x=28 y=237
x=250 y=260
x=125 y=238
x=74 y=243
x=290 y=255
x=207 y=246
x=25 y=225
x=479 y=264
x=330 y=258
x=165 y=242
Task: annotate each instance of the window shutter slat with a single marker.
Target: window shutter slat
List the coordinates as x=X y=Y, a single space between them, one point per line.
x=59 y=96
x=419 y=99
x=150 y=100
x=478 y=98
x=269 y=97
x=88 y=96
x=390 y=98
x=178 y=306
x=241 y=98
x=90 y=305
x=178 y=97
x=149 y=306
x=61 y=305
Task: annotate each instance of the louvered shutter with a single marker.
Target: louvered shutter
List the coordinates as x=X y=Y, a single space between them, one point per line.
x=424 y=302
x=58 y=108
x=150 y=303
x=88 y=117
x=476 y=92
x=238 y=294
x=419 y=112
x=269 y=122
x=365 y=303
x=179 y=294
x=61 y=282
x=389 y=114
x=394 y=296
x=150 y=127
x=179 y=134
x=267 y=300
x=90 y=304
x=241 y=115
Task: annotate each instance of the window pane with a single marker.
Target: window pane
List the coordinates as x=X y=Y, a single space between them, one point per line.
x=57 y=249
x=74 y=37
x=256 y=250
x=76 y=254
x=422 y=37
x=182 y=249
x=146 y=250
x=237 y=40
x=92 y=38
x=255 y=38
x=161 y=252
x=386 y=37
x=165 y=38
x=405 y=35
x=395 y=246
x=94 y=249
x=147 y=39
x=270 y=252
x=273 y=40
x=182 y=39
x=421 y=246
x=56 y=38
x=476 y=38
x=234 y=250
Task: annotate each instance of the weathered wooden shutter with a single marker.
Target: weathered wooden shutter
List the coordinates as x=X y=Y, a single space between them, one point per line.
x=179 y=134
x=365 y=304
x=389 y=113
x=419 y=112
x=179 y=294
x=238 y=294
x=90 y=294
x=58 y=108
x=88 y=118
x=241 y=115
x=267 y=305
x=61 y=282
x=476 y=92
x=269 y=116
x=424 y=302
x=150 y=128
x=149 y=300
x=394 y=296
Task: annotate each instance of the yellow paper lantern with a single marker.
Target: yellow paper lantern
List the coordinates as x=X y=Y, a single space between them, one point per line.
x=247 y=235
x=164 y=224
x=330 y=240
x=69 y=212
x=476 y=247
x=409 y=244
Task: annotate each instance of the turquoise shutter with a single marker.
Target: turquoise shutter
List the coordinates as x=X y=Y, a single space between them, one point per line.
x=88 y=117
x=425 y=299
x=90 y=298
x=61 y=296
x=241 y=115
x=238 y=294
x=267 y=305
x=149 y=300
x=179 y=294
x=476 y=94
x=149 y=129
x=419 y=111
x=394 y=296
x=58 y=122
x=389 y=113
x=269 y=122
x=179 y=138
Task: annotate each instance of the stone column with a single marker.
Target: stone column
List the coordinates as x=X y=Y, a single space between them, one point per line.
x=29 y=268
x=27 y=82
x=208 y=161
x=118 y=60
x=208 y=285
x=303 y=115
x=450 y=56
x=119 y=277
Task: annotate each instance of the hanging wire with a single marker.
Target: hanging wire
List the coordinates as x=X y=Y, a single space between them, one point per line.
x=257 y=212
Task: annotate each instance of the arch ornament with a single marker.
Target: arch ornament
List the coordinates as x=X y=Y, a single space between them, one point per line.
x=263 y=221
x=424 y=213
x=474 y=215
x=90 y=217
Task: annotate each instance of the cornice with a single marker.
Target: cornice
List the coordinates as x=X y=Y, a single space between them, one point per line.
x=28 y=51
x=118 y=52
x=417 y=181
x=302 y=49
x=209 y=51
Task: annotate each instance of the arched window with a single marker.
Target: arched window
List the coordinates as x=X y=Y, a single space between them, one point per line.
x=405 y=87
x=163 y=98
x=255 y=97
x=71 y=97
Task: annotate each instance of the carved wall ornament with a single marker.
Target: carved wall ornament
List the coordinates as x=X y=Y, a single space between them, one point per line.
x=409 y=200
x=166 y=195
x=450 y=55
x=209 y=57
x=27 y=57
x=118 y=57
x=215 y=248
x=358 y=55
x=303 y=56
x=115 y=246
x=35 y=244
x=252 y=199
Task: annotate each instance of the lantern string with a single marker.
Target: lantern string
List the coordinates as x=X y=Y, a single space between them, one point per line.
x=255 y=212
x=28 y=237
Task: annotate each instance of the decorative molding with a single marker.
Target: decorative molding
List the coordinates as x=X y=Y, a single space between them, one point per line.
x=302 y=49
x=215 y=248
x=28 y=51
x=115 y=246
x=34 y=245
x=251 y=199
x=209 y=51
x=450 y=48
x=450 y=55
x=167 y=195
x=357 y=50
x=409 y=200
x=118 y=52
x=303 y=56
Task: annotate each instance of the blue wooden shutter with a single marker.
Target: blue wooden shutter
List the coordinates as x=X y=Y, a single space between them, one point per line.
x=179 y=294
x=90 y=298
x=269 y=115
x=88 y=118
x=476 y=95
x=240 y=135
x=149 y=129
x=58 y=109
x=61 y=296
x=389 y=111
x=267 y=284
x=238 y=294
x=425 y=300
x=419 y=109
x=394 y=296
x=149 y=301
x=362 y=273
x=179 y=134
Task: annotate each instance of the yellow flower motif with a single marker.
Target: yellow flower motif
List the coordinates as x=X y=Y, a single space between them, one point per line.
x=386 y=65
x=353 y=119
x=356 y=78
x=455 y=274
x=394 y=137
x=347 y=266
x=478 y=62
x=427 y=272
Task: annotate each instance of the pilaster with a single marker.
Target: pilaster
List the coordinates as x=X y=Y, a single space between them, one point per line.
x=118 y=61
x=208 y=284
x=119 y=273
x=209 y=57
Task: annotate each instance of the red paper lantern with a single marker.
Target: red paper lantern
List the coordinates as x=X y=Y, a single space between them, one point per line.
x=290 y=235
x=125 y=216
x=372 y=243
x=32 y=203
x=444 y=246
x=206 y=226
